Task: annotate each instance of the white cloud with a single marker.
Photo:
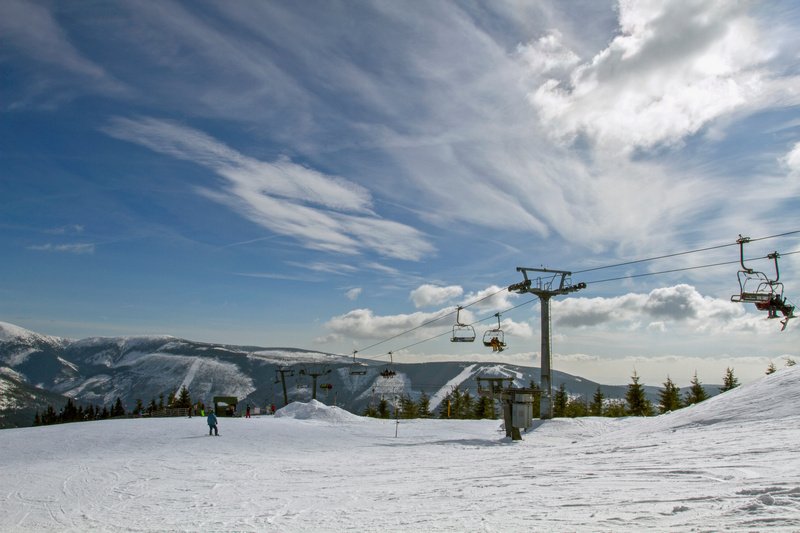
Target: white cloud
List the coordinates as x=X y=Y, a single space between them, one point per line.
x=363 y=324
x=548 y=55
x=792 y=163
x=492 y=297
x=427 y=294
x=667 y=308
x=322 y=212
x=353 y=294
x=675 y=66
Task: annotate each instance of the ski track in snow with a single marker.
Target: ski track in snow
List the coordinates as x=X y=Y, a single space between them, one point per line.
x=439 y=395
x=192 y=373
x=728 y=464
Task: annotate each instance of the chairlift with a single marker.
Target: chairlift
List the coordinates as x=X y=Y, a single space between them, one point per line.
x=388 y=372
x=356 y=368
x=757 y=288
x=279 y=371
x=302 y=383
x=495 y=338
x=462 y=332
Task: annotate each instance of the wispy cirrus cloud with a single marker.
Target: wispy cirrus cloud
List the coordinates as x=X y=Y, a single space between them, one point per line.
x=78 y=248
x=31 y=29
x=322 y=212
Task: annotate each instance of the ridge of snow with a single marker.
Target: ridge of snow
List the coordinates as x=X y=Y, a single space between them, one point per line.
x=315 y=410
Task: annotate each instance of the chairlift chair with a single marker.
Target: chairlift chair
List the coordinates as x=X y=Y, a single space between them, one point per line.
x=462 y=332
x=356 y=368
x=757 y=288
x=495 y=338
x=388 y=372
x=302 y=383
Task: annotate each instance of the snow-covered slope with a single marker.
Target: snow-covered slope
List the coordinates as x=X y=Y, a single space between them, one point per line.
x=728 y=464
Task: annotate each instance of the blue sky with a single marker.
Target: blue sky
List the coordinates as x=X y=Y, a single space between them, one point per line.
x=327 y=175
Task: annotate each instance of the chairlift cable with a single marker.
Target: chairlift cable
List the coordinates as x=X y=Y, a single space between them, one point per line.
x=427 y=323
x=432 y=320
x=683 y=253
x=686 y=268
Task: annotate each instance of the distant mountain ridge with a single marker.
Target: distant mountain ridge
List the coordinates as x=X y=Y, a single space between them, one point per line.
x=98 y=370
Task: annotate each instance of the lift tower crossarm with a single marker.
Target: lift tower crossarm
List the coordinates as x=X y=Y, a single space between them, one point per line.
x=550 y=283
x=546 y=284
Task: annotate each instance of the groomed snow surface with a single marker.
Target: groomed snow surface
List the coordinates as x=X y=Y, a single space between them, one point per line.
x=728 y=464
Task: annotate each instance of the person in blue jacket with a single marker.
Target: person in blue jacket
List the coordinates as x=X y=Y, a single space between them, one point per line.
x=212 y=423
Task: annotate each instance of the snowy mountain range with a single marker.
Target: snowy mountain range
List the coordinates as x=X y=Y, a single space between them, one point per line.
x=36 y=370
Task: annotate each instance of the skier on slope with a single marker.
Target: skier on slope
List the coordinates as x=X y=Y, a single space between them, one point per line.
x=212 y=423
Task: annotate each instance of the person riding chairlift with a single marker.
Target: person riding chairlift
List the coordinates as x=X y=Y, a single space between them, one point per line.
x=496 y=346
x=775 y=304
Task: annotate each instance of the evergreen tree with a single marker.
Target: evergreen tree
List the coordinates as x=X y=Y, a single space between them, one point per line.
x=771 y=369
x=424 y=406
x=537 y=399
x=49 y=416
x=118 y=410
x=576 y=408
x=91 y=413
x=153 y=407
x=669 y=398
x=371 y=411
x=729 y=381
x=458 y=404
x=466 y=406
x=184 y=401
x=596 y=407
x=790 y=361
x=615 y=408
x=69 y=413
x=139 y=407
x=696 y=392
x=445 y=408
x=37 y=420
x=485 y=408
x=161 y=401
x=383 y=409
x=638 y=404
x=105 y=413
x=172 y=399
x=560 y=401
x=408 y=407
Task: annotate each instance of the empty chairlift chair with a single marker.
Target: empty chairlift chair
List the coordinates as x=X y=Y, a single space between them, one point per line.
x=462 y=332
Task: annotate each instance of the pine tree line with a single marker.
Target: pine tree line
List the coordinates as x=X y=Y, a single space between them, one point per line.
x=76 y=413
x=636 y=402
x=457 y=404
x=175 y=400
